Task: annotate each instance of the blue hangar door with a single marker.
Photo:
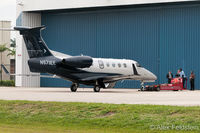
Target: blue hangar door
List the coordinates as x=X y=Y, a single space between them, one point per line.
x=160 y=38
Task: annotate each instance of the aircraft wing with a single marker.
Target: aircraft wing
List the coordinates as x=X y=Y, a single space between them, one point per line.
x=35 y=75
x=106 y=77
x=93 y=78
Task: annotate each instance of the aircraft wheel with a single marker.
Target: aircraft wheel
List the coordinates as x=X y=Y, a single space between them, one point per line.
x=158 y=89
x=142 y=88
x=74 y=87
x=97 y=89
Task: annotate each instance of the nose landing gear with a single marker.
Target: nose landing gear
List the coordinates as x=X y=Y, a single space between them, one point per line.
x=142 y=86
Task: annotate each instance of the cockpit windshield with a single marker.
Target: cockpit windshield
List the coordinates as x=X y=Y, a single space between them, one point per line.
x=138 y=65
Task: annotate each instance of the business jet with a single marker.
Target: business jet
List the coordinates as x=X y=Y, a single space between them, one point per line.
x=97 y=72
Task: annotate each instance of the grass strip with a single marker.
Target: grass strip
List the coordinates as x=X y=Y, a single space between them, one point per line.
x=52 y=117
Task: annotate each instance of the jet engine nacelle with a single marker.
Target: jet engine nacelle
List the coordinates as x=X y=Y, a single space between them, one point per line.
x=78 y=61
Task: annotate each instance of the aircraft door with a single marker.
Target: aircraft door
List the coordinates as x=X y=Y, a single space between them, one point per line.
x=101 y=64
x=134 y=70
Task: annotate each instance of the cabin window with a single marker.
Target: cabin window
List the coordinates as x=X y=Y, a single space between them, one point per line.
x=119 y=65
x=125 y=66
x=113 y=64
x=138 y=65
x=107 y=64
x=101 y=65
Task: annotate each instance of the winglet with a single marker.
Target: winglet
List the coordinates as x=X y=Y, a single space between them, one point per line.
x=4 y=68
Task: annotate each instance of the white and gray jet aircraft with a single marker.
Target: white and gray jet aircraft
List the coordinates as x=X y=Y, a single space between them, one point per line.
x=97 y=72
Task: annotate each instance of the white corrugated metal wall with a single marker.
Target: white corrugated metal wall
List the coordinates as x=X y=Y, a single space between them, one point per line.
x=30 y=20
x=5 y=39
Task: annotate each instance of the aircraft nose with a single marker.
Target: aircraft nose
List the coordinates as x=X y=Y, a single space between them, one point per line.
x=150 y=75
x=153 y=76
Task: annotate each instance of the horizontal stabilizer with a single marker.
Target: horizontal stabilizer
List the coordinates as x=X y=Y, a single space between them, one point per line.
x=28 y=75
x=24 y=30
x=6 y=29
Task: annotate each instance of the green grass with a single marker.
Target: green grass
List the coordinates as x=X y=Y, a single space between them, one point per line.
x=54 y=117
x=7 y=83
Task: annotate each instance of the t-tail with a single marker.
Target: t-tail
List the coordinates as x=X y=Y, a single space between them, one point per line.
x=35 y=45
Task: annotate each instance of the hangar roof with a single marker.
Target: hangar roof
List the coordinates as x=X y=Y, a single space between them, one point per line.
x=39 y=5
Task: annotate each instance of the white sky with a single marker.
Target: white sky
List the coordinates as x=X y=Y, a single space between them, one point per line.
x=8 y=12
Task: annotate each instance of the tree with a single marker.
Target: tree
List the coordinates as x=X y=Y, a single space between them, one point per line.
x=12 y=49
x=12 y=52
x=3 y=48
x=13 y=42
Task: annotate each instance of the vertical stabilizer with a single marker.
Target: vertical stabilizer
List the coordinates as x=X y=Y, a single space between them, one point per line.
x=35 y=45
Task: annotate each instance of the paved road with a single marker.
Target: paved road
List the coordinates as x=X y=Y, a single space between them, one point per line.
x=116 y=96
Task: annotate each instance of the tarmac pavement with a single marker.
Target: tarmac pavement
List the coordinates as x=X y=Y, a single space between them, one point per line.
x=115 y=96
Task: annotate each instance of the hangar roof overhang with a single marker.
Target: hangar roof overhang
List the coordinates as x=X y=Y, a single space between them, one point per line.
x=46 y=5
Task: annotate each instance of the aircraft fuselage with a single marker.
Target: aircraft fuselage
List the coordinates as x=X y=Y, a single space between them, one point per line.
x=106 y=69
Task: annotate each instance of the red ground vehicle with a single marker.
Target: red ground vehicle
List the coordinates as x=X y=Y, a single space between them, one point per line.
x=176 y=84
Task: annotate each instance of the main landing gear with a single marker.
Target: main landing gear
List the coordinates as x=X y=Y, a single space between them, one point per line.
x=97 y=88
x=74 y=87
x=98 y=85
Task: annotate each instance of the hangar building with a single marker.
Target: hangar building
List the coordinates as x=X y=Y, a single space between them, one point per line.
x=5 y=40
x=161 y=35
